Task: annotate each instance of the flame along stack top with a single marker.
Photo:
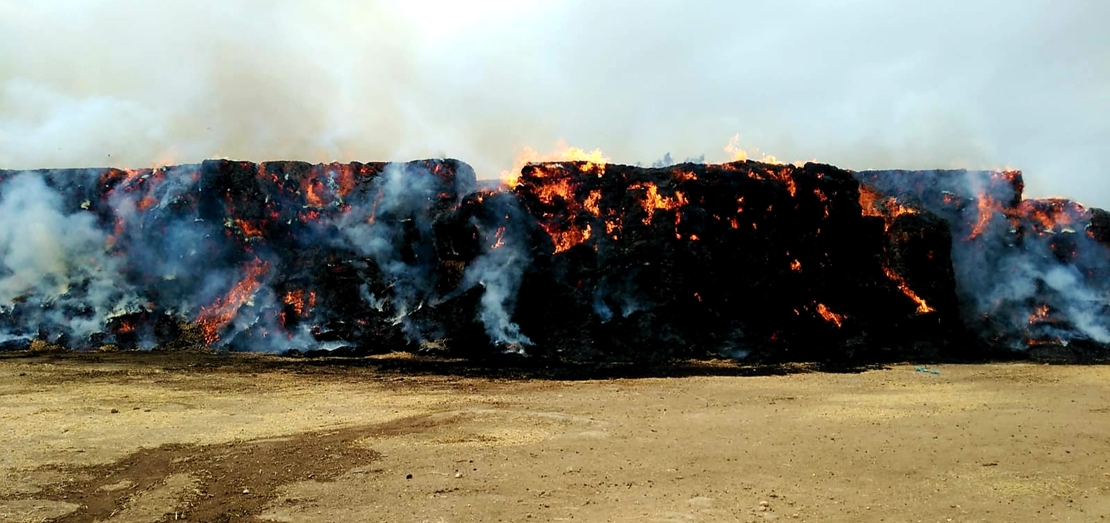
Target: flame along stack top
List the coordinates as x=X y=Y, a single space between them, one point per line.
x=580 y=260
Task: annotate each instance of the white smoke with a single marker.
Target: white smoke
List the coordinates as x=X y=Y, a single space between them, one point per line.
x=1009 y=282
x=54 y=265
x=1013 y=281
x=380 y=228
x=499 y=270
x=1083 y=304
x=862 y=84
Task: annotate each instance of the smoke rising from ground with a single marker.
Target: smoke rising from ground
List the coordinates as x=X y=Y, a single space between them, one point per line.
x=860 y=84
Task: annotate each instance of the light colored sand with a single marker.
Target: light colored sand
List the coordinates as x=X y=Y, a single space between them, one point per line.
x=1013 y=442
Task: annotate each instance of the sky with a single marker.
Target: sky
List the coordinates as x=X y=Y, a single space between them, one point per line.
x=856 y=83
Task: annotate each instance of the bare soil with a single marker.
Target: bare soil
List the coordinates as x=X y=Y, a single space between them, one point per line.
x=193 y=437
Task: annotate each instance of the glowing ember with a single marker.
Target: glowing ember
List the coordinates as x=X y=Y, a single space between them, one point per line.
x=1039 y=315
x=987 y=208
x=653 y=201
x=498 y=238
x=830 y=316
x=223 y=310
x=796 y=266
x=612 y=225
x=249 y=229
x=1052 y=215
x=879 y=206
x=311 y=195
x=868 y=200
x=296 y=299
x=569 y=238
x=561 y=188
x=125 y=327
x=556 y=187
x=591 y=203
x=922 y=307
x=685 y=176
x=781 y=175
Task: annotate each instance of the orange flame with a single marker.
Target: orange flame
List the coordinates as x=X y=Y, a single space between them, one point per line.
x=987 y=208
x=125 y=327
x=613 y=226
x=783 y=175
x=249 y=229
x=796 y=266
x=653 y=201
x=868 y=200
x=147 y=202
x=569 y=238
x=554 y=184
x=296 y=300
x=1039 y=315
x=1052 y=215
x=562 y=188
x=310 y=196
x=498 y=238
x=736 y=154
x=830 y=316
x=922 y=307
x=875 y=204
x=595 y=161
x=591 y=203
x=223 y=310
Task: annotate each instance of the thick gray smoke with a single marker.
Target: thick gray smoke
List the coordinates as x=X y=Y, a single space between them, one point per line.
x=1007 y=283
x=394 y=228
x=247 y=255
x=1027 y=272
x=384 y=227
x=861 y=84
x=56 y=263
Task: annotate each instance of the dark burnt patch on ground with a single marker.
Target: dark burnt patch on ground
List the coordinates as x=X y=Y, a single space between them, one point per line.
x=224 y=482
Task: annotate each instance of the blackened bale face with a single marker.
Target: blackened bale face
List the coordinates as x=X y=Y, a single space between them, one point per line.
x=734 y=259
x=575 y=261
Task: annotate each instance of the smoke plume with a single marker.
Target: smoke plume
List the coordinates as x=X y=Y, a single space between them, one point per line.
x=54 y=264
x=864 y=84
x=1028 y=272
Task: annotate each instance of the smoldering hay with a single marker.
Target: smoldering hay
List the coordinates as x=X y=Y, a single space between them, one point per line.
x=575 y=260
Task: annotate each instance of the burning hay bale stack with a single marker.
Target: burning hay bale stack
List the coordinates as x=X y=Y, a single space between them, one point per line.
x=272 y=256
x=1031 y=274
x=576 y=261
x=745 y=257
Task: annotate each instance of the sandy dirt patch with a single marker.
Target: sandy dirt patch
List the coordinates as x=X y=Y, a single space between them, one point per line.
x=128 y=438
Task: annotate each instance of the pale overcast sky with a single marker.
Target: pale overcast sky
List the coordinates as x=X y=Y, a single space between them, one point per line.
x=856 y=83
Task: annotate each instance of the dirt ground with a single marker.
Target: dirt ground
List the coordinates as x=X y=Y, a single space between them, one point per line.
x=147 y=438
